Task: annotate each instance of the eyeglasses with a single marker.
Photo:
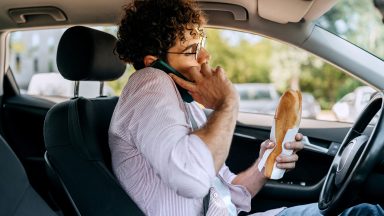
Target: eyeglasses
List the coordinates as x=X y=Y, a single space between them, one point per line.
x=196 y=48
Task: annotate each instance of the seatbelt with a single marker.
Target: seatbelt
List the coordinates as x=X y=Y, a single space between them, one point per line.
x=206 y=202
x=194 y=127
x=75 y=134
x=74 y=125
x=191 y=119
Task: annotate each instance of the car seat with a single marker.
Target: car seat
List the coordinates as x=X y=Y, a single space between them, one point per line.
x=76 y=131
x=18 y=198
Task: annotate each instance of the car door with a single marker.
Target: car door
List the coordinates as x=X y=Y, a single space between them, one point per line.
x=283 y=67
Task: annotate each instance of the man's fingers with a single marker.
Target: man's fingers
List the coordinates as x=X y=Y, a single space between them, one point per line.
x=195 y=74
x=298 y=137
x=267 y=144
x=183 y=83
x=206 y=67
x=220 y=72
x=296 y=146
x=287 y=158
x=206 y=70
x=286 y=162
x=286 y=165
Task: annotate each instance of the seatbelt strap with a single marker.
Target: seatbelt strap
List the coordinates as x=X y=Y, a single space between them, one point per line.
x=194 y=126
x=206 y=202
x=75 y=135
x=192 y=120
x=73 y=122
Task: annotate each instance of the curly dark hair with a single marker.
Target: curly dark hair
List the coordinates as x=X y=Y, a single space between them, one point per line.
x=150 y=27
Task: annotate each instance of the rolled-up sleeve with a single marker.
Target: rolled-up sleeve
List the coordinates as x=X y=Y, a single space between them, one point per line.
x=160 y=129
x=240 y=196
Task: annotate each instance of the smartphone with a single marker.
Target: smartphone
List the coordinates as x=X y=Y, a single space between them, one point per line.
x=162 y=65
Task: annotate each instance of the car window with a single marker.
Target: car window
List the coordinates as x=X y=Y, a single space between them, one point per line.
x=32 y=59
x=357 y=21
x=260 y=67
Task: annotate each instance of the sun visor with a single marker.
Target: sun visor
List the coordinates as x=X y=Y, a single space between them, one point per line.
x=284 y=11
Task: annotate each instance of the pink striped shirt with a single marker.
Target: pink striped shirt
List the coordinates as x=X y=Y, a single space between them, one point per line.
x=164 y=168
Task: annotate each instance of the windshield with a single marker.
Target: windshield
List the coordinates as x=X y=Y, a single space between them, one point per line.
x=357 y=21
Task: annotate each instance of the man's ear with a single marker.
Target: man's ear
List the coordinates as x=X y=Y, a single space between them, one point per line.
x=149 y=59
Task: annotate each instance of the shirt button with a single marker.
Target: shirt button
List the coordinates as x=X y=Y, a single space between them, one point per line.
x=214 y=195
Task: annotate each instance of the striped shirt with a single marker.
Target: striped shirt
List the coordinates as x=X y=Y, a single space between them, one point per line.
x=164 y=168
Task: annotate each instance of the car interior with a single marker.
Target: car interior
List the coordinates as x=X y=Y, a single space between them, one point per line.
x=55 y=158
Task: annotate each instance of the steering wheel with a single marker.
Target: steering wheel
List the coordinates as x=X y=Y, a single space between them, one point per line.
x=355 y=160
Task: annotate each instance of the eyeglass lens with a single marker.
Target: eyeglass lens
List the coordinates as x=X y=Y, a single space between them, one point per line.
x=200 y=45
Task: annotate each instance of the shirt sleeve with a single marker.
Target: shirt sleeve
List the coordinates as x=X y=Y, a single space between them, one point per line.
x=159 y=127
x=240 y=196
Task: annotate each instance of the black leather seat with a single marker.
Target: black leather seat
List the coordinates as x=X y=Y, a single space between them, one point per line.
x=17 y=197
x=76 y=131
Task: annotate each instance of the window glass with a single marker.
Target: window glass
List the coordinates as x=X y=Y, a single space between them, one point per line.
x=262 y=69
x=33 y=63
x=357 y=21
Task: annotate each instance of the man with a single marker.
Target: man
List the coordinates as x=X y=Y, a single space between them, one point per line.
x=166 y=154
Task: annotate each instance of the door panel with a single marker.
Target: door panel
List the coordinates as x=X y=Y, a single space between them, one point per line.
x=23 y=120
x=22 y=124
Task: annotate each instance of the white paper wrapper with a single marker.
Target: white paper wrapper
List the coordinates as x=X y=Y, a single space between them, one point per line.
x=289 y=137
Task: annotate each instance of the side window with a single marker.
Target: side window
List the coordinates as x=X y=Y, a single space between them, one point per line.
x=32 y=59
x=262 y=69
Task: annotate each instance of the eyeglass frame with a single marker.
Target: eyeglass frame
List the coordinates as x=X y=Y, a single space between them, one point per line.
x=200 y=45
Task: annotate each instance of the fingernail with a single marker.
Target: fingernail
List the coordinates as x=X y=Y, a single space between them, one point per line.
x=278 y=159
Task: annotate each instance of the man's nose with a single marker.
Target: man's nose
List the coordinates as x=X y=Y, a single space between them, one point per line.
x=203 y=56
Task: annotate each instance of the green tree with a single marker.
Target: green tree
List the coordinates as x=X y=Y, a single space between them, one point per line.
x=326 y=82
x=243 y=60
x=285 y=63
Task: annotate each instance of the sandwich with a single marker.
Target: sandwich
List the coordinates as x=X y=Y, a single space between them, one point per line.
x=287 y=116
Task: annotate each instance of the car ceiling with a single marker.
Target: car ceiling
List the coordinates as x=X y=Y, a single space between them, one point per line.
x=102 y=11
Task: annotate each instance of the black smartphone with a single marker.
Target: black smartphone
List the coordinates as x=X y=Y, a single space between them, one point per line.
x=162 y=65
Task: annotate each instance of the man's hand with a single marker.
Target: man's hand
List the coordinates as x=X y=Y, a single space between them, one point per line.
x=212 y=89
x=284 y=161
x=209 y=87
x=289 y=162
x=267 y=144
x=254 y=180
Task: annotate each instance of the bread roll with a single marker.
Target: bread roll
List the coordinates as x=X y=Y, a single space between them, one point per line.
x=287 y=116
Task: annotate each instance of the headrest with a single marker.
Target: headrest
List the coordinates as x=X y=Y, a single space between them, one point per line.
x=87 y=54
